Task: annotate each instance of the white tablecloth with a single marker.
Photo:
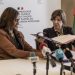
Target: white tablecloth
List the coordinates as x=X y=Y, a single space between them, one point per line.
x=25 y=67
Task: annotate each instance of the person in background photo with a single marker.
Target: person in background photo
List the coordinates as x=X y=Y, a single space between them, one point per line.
x=58 y=19
x=12 y=43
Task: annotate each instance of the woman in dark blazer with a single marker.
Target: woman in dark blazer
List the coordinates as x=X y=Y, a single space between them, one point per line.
x=58 y=18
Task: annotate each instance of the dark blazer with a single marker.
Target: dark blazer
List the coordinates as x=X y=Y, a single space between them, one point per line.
x=50 y=33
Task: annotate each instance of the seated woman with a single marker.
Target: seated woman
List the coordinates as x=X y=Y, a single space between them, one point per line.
x=58 y=18
x=12 y=43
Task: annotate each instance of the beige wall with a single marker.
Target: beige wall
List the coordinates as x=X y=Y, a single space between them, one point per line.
x=67 y=6
x=51 y=6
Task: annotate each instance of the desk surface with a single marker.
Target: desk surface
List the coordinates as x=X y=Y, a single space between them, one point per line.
x=25 y=67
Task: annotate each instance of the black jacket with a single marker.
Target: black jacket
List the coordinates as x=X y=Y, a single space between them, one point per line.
x=50 y=33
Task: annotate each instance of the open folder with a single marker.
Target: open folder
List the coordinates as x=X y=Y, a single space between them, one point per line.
x=64 y=39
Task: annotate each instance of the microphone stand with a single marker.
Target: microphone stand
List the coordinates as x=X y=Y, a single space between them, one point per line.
x=71 y=68
x=34 y=68
x=62 y=66
x=47 y=63
x=62 y=69
x=61 y=61
x=72 y=65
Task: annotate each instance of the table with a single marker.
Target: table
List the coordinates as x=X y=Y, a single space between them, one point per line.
x=25 y=67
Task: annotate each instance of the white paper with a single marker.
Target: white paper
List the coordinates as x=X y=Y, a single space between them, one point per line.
x=64 y=39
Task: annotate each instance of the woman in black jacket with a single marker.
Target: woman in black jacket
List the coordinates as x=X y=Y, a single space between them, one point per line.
x=58 y=18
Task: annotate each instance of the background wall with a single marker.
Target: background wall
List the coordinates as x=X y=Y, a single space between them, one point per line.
x=52 y=5
x=68 y=6
x=34 y=15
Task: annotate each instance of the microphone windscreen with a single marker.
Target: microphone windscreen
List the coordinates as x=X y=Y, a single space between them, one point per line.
x=46 y=51
x=33 y=57
x=68 y=54
x=59 y=54
x=41 y=45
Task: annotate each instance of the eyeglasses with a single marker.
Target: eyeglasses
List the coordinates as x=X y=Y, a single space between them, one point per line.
x=16 y=20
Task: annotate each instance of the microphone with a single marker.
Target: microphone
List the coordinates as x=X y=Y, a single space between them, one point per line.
x=45 y=50
x=47 y=53
x=68 y=53
x=37 y=35
x=59 y=54
x=33 y=58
